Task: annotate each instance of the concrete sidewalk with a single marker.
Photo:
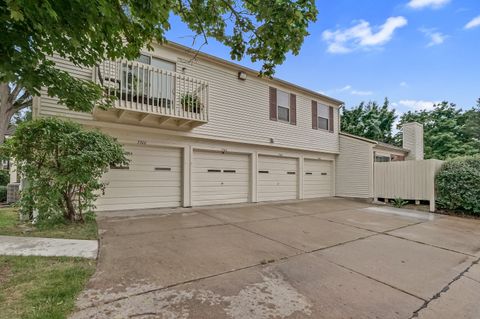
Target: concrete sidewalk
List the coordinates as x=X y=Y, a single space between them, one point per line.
x=35 y=246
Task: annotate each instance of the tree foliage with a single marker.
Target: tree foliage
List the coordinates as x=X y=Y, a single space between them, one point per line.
x=370 y=120
x=448 y=131
x=88 y=31
x=62 y=163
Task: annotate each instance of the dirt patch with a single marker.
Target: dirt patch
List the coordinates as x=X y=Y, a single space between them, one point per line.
x=5 y=273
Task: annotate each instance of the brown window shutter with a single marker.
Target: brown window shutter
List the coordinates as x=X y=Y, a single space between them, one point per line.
x=273 y=104
x=293 y=109
x=330 y=120
x=314 y=115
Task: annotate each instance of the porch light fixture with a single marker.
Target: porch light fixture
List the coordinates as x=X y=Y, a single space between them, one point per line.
x=242 y=75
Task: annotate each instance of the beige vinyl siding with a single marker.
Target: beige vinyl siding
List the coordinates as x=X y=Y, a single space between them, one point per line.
x=277 y=178
x=49 y=105
x=354 y=168
x=240 y=109
x=317 y=178
x=190 y=153
x=220 y=178
x=413 y=140
x=153 y=179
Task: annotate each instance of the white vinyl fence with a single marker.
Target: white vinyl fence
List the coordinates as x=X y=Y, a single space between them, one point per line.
x=409 y=180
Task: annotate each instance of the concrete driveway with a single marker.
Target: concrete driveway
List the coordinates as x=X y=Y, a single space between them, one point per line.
x=330 y=258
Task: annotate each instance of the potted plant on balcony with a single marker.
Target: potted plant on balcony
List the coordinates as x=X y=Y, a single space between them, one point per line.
x=191 y=102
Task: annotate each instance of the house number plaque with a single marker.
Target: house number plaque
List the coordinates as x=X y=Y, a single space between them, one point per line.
x=142 y=142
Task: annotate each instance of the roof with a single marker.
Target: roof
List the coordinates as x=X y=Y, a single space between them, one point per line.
x=376 y=143
x=252 y=71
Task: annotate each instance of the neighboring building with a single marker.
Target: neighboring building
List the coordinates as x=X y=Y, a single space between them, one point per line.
x=355 y=163
x=200 y=130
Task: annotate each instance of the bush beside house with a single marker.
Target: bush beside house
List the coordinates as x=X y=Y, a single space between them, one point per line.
x=458 y=185
x=62 y=164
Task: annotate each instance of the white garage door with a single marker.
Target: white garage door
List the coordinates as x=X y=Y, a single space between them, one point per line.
x=318 y=179
x=220 y=178
x=277 y=178
x=152 y=179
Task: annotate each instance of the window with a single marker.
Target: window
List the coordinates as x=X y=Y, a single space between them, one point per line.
x=283 y=106
x=144 y=59
x=382 y=158
x=323 y=113
x=141 y=83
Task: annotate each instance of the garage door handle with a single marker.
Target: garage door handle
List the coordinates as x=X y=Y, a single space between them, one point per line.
x=308 y=173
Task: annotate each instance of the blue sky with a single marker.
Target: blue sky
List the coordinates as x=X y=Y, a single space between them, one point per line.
x=415 y=52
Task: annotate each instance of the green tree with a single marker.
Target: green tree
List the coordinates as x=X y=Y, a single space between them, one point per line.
x=472 y=122
x=370 y=120
x=63 y=164
x=89 y=31
x=446 y=131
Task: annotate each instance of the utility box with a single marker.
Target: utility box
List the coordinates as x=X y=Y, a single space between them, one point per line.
x=13 y=192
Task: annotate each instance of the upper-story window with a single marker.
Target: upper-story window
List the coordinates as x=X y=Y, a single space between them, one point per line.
x=283 y=106
x=323 y=117
x=140 y=83
x=156 y=62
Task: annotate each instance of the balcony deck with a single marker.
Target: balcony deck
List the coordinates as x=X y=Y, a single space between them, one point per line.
x=152 y=96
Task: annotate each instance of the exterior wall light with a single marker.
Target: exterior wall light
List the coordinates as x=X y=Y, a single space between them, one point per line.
x=242 y=75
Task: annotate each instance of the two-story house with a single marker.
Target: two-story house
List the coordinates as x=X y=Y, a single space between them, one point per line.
x=200 y=130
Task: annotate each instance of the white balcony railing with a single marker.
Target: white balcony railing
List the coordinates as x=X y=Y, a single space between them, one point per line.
x=143 y=88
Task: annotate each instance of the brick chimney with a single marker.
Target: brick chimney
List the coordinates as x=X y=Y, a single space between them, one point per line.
x=413 y=140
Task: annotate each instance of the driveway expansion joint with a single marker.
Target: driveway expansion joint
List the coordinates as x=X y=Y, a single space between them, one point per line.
x=374 y=279
x=445 y=289
x=430 y=245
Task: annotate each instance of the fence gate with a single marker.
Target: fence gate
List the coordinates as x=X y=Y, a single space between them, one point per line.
x=409 y=180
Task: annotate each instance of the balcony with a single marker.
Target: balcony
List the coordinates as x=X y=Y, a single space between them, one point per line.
x=152 y=96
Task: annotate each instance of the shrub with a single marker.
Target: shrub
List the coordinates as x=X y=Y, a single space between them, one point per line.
x=4 y=177
x=3 y=194
x=62 y=164
x=458 y=185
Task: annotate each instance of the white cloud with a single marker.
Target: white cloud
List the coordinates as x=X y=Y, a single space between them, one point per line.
x=475 y=22
x=349 y=89
x=403 y=84
x=418 y=104
x=434 y=36
x=420 y=4
x=362 y=35
x=345 y=88
x=361 y=93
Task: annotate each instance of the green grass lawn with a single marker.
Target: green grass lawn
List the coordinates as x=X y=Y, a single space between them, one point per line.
x=41 y=287
x=11 y=225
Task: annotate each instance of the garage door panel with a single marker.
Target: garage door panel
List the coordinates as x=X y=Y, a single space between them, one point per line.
x=237 y=163
x=161 y=191
x=228 y=183
x=317 y=179
x=277 y=178
x=133 y=175
x=144 y=184
x=224 y=170
x=152 y=183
